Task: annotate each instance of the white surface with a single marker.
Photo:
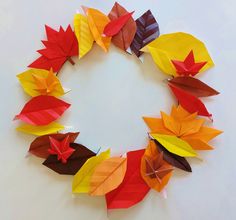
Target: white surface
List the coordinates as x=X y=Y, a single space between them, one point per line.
x=110 y=93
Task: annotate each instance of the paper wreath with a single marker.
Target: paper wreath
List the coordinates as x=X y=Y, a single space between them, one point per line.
x=124 y=180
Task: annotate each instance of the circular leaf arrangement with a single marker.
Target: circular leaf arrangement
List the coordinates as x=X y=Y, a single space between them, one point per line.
x=124 y=180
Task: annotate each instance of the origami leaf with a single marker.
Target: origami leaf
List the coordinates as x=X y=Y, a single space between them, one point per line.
x=175 y=145
x=81 y=181
x=133 y=188
x=125 y=36
x=60 y=46
x=191 y=103
x=42 y=110
x=173 y=159
x=97 y=22
x=74 y=162
x=193 y=86
x=83 y=34
x=39 y=147
x=147 y=31
x=40 y=130
x=107 y=176
x=198 y=144
x=155 y=171
x=40 y=82
x=175 y=46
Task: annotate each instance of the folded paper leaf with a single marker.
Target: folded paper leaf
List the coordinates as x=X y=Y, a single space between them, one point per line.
x=39 y=147
x=60 y=46
x=125 y=36
x=42 y=110
x=82 y=179
x=74 y=162
x=107 y=176
x=83 y=34
x=147 y=31
x=37 y=82
x=40 y=130
x=193 y=86
x=133 y=188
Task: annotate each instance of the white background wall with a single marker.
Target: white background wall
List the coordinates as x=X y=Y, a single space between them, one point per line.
x=110 y=93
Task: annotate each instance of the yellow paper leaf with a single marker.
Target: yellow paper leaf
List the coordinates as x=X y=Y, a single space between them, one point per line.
x=40 y=130
x=97 y=22
x=108 y=175
x=81 y=180
x=83 y=34
x=176 y=46
x=40 y=82
x=175 y=145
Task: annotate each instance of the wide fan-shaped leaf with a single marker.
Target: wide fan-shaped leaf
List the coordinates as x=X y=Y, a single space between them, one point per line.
x=42 y=110
x=189 y=102
x=133 y=188
x=147 y=31
x=193 y=86
x=81 y=181
x=39 y=147
x=74 y=162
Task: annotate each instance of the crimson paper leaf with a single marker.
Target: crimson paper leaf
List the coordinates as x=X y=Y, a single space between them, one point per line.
x=189 y=102
x=147 y=31
x=74 y=162
x=42 y=110
x=133 y=188
x=193 y=86
x=39 y=147
x=125 y=36
x=60 y=46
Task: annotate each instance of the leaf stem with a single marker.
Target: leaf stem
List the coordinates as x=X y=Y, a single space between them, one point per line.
x=70 y=60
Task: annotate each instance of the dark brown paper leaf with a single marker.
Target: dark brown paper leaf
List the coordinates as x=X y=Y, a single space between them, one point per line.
x=173 y=159
x=74 y=162
x=147 y=31
x=193 y=86
x=39 y=147
x=126 y=35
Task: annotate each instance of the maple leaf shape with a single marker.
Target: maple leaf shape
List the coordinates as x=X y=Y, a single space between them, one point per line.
x=185 y=126
x=61 y=148
x=188 y=66
x=60 y=46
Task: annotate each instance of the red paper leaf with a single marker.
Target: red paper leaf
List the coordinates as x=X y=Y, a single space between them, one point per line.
x=147 y=31
x=42 y=110
x=188 y=66
x=193 y=86
x=189 y=102
x=114 y=26
x=125 y=36
x=133 y=188
x=39 y=147
x=74 y=162
x=60 y=46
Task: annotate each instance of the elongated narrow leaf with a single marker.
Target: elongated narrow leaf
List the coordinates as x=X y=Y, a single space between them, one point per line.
x=175 y=145
x=193 y=86
x=82 y=179
x=107 y=176
x=39 y=147
x=189 y=102
x=40 y=130
x=125 y=36
x=83 y=34
x=42 y=110
x=173 y=159
x=147 y=31
x=74 y=162
x=133 y=188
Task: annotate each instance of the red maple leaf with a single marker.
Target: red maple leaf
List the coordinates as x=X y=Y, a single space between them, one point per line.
x=60 y=46
x=61 y=148
x=188 y=66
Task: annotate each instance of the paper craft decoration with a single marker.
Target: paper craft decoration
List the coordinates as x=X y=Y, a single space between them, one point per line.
x=125 y=179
